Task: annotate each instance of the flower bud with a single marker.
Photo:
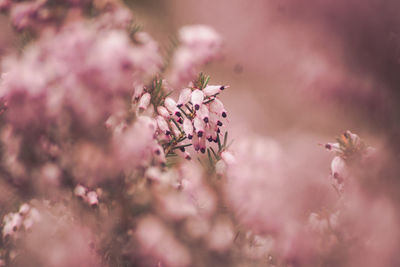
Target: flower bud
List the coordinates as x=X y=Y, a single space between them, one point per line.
x=208 y=133
x=163 y=125
x=91 y=198
x=188 y=128
x=196 y=143
x=211 y=90
x=170 y=104
x=339 y=169
x=203 y=113
x=163 y=112
x=24 y=209
x=197 y=99
x=335 y=147
x=217 y=107
x=144 y=102
x=214 y=120
x=184 y=97
x=138 y=90
x=80 y=191
x=202 y=144
x=198 y=126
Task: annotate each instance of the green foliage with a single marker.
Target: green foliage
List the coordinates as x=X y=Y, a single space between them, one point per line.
x=202 y=81
x=157 y=92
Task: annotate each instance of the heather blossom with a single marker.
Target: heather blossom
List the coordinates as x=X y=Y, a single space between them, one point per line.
x=114 y=154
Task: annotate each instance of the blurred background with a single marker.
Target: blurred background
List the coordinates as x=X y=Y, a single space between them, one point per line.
x=299 y=72
x=318 y=66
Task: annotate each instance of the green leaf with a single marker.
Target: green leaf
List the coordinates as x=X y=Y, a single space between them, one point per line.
x=215 y=154
x=219 y=144
x=180 y=146
x=191 y=110
x=209 y=157
x=184 y=113
x=225 y=139
x=208 y=101
x=176 y=124
x=206 y=82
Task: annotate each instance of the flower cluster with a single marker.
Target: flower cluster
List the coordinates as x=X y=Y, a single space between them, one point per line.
x=38 y=15
x=343 y=225
x=197 y=116
x=114 y=155
x=349 y=149
x=200 y=44
x=90 y=197
x=48 y=231
x=88 y=77
x=23 y=220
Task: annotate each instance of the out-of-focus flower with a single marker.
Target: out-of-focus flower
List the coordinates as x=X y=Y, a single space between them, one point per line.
x=25 y=218
x=258 y=246
x=144 y=102
x=335 y=147
x=58 y=240
x=200 y=44
x=12 y=223
x=22 y=14
x=228 y=158
x=184 y=97
x=133 y=147
x=318 y=224
x=339 y=169
x=54 y=80
x=4 y=4
x=211 y=90
x=92 y=199
x=197 y=98
x=221 y=235
x=256 y=178
x=158 y=242
x=220 y=167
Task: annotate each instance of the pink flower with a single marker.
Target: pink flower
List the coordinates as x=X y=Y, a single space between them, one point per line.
x=92 y=199
x=200 y=44
x=217 y=107
x=157 y=241
x=171 y=105
x=197 y=98
x=228 y=158
x=188 y=128
x=80 y=191
x=338 y=169
x=212 y=90
x=184 y=96
x=200 y=37
x=163 y=112
x=144 y=102
x=163 y=125
x=134 y=146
